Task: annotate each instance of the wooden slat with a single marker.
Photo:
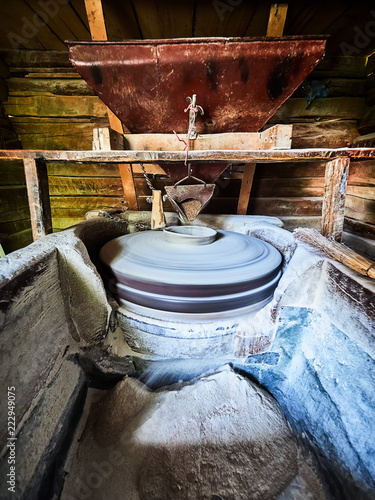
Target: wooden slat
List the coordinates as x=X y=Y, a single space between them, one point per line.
x=277 y=137
x=334 y=198
x=246 y=185
x=276 y=21
x=127 y=179
x=250 y=156
x=38 y=196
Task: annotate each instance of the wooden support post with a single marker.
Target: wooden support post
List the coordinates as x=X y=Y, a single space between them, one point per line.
x=275 y=27
x=336 y=176
x=276 y=21
x=95 y=16
x=246 y=185
x=157 y=215
x=38 y=196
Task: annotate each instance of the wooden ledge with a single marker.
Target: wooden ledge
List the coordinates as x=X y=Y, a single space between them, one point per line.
x=249 y=156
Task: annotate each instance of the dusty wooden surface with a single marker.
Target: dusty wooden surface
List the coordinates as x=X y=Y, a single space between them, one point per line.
x=260 y=156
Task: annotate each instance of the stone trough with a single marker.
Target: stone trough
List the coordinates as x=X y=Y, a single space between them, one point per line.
x=286 y=413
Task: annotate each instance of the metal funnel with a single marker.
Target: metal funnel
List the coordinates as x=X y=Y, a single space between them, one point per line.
x=241 y=82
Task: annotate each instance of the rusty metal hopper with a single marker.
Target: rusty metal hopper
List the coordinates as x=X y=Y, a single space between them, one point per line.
x=240 y=82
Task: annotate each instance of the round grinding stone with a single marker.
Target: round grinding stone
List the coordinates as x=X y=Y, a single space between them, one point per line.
x=191 y=269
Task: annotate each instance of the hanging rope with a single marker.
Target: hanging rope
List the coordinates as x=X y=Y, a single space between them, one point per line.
x=193 y=110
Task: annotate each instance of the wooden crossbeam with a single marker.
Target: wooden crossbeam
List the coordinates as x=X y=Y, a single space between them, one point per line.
x=95 y=16
x=38 y=197
x=276 y=23
x=227 y=155
x=246 y=185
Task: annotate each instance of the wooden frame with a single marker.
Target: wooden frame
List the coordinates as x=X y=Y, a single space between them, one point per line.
x=338 y=161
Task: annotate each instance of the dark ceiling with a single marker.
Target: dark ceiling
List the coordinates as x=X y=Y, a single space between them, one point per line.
x=45 y=24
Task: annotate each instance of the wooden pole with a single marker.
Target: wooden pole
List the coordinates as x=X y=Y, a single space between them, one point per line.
x=38 y=196
x=336 y=176
x=246 y=185
x=95 y=16
x=337 y=251
x=276 y=23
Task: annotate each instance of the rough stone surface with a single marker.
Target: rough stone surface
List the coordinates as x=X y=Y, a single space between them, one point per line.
x=52 y=297
x=219 y=435
x=43 y=442
x=324 y=381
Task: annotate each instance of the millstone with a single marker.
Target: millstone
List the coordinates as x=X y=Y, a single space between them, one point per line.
x=191 y=269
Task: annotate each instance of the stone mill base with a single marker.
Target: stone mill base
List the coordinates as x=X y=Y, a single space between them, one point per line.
x=310 y=377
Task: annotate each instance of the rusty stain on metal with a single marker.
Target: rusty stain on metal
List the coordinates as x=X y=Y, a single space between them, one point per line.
x=240 y=82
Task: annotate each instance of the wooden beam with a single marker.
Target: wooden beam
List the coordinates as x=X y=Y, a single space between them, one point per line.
x=127 y=179
x=275 y=27
x=38 y=196
x=333 y=210
x=228 y=155
x=276 y=21
x=276 y=137
x=337 y=251
x=95 y=16
x=246 y=186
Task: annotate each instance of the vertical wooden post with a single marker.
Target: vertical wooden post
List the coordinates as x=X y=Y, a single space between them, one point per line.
x=246 y=185
x=276 y=23
x=38 y=196
x=95 y=16
x=333 y=211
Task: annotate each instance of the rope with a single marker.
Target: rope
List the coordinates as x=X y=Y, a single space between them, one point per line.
x=186 y=148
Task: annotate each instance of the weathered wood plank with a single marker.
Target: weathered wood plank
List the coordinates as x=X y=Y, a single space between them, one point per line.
x=55 y=106
x=86 y=202
x=251 y=156
x=246 y=186
x=85 y=186
x=345 y=108
x=127 y=179
x=54 y=133
x=277 y=137
x=38 y=196
x=362 y=209
x=341 y=66
x=337 y=251
x=26 y=87
x=362 y=173
x=334 y=198
x=38 y=58
x=361 y=228
x=325 y=134
x=276 y=21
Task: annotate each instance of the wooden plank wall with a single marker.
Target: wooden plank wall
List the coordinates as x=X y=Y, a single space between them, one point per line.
x=15 y=226
x=52 y=108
